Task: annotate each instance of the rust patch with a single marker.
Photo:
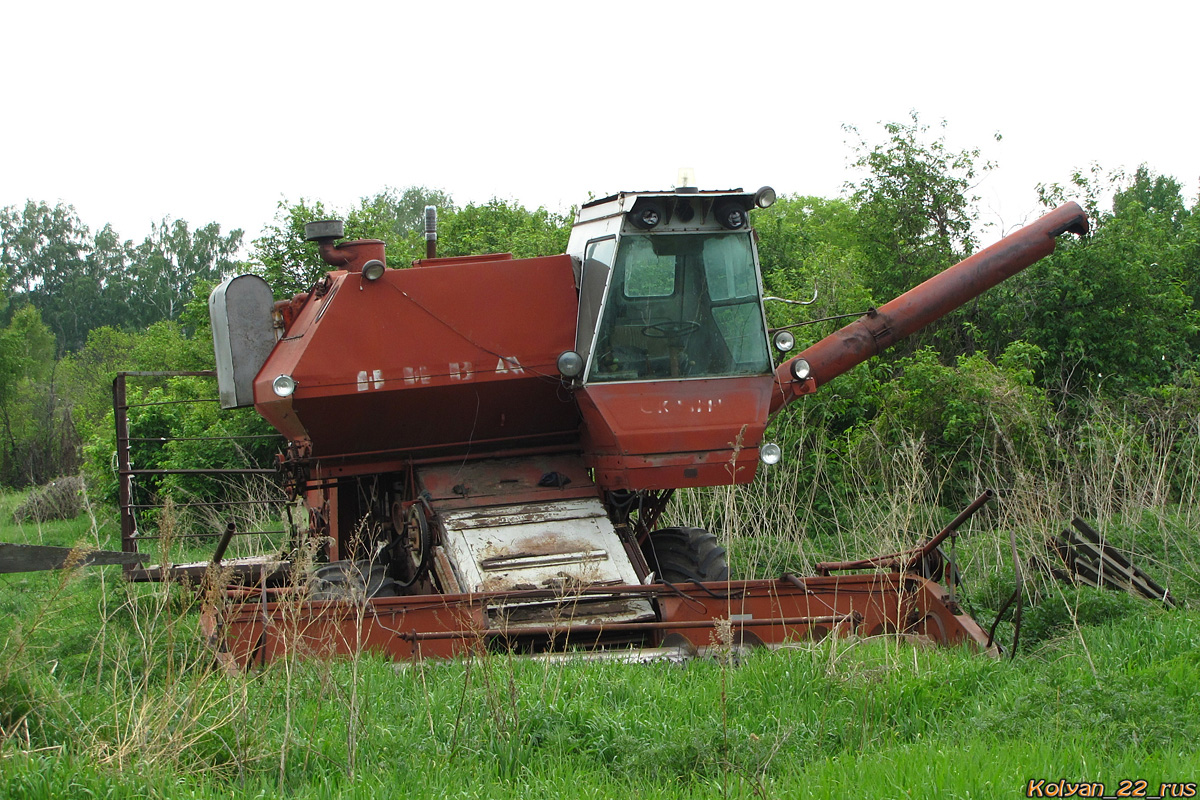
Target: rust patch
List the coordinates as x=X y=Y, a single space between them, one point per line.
x=540 y=544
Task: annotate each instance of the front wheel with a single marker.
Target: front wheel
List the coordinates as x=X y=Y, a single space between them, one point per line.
x=682 y=555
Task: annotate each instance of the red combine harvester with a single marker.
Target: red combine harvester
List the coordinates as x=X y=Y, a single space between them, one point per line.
x=485 y=444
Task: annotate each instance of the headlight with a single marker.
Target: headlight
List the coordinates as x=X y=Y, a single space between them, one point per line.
x=284 y=385
x=646 y=214
x=801 y=369
x=373 y=269
x=570 y=364
x=770 y=453
x=764 y=197
x=730 y=213
x=784 y=341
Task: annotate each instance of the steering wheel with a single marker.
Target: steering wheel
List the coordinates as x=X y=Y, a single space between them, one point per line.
x=671 y=329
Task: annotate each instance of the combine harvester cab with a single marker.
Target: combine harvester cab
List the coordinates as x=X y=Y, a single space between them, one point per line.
x=484 y=445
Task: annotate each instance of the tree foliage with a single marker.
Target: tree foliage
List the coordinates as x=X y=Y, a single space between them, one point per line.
x=172 y=260
x=79 y=282
x=503 y=227
x=396 y=218
x=916 y=214
x=1115 y=311
x=1112 y=314
x=39 y=435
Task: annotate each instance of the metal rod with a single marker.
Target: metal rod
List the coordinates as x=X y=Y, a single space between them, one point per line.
x=141 y=538
x=822 y=319
x=204 y=438
x=245 y=471
x=207 y=373
x=622 y=627
x=219 y=553
x=174 y=402
x=124 y=479
x=893 y=559
x=214 y=504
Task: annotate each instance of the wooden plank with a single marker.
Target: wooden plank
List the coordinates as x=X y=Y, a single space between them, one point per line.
x=37 y=557
x=1094 y=562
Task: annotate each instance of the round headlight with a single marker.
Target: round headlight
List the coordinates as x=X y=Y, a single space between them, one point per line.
x=784 y=341
x=570 y=364
x=764 y=197
x=801 y=369
x=770 y=453
x=730 y=214
x=373 y=269
x=284 y=385
x=646 y=214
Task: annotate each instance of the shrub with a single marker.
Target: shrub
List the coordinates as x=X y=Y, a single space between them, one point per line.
x=61 y=498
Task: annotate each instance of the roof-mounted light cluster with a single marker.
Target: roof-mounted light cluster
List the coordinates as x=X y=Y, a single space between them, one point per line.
x=730 y=211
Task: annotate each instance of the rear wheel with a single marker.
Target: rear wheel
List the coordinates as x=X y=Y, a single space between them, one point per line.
x=681 y=555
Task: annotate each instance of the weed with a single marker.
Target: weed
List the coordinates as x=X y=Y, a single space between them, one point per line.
x=111 y=688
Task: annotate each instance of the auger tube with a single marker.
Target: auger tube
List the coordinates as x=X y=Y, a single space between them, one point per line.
x=877 y=330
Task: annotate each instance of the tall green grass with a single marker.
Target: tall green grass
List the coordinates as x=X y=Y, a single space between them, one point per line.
x=109 y=689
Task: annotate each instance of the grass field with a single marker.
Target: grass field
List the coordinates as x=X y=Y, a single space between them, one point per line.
x=107 y=690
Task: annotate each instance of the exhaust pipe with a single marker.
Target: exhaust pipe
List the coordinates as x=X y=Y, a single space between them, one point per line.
x=430 y=232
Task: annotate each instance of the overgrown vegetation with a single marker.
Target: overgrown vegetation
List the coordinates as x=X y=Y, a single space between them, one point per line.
x=1070 y=389
x=111 y=688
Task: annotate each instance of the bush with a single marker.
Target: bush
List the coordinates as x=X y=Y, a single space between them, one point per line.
x=61 y=498
x=1060 y=612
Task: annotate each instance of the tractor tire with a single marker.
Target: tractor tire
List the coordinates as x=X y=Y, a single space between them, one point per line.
x=683 y=555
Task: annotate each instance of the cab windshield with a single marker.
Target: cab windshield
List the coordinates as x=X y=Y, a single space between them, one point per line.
x=681 y=306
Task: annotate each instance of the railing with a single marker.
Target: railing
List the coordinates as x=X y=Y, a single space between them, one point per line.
x=135 y=501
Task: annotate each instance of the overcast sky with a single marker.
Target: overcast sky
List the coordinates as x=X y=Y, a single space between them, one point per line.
x=216 y=111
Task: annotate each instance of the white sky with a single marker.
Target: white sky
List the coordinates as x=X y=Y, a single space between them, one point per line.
x=215 y=111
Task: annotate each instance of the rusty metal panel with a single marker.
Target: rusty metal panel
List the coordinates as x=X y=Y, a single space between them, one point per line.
x=506 y=481
x=564 y=547
x=672 y=434
x=766 y=612
x=36 y=557
x=446 y=359
x=535 y=546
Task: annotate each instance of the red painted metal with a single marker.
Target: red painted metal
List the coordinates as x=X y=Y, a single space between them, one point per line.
x=433 y=361
x=932 y=300
x=350 y=256
x=674 y=434
x=249 y=631
x=458 y=358
x=412 y=378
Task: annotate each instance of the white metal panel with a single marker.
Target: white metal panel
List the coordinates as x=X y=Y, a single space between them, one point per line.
x=541 y=546
x=562 y=546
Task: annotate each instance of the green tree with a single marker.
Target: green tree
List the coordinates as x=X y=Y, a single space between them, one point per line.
x=1113 y=310
x=396 y=217
x=39 y=438
x=811 y=246
x=916 y=213
x=503 y=227
x=43 y=251
x=281 y=256
x=172 y=259
x=38 y=244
